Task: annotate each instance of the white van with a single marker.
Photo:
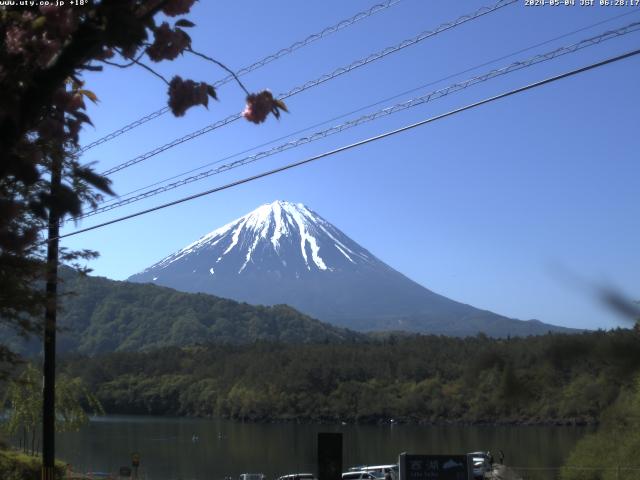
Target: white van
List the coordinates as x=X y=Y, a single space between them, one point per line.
x=379 y=471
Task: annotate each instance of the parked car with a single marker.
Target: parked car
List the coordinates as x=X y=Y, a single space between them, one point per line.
x=253 y=476
x=360 y=475
x=298 y=476
x=379 y=471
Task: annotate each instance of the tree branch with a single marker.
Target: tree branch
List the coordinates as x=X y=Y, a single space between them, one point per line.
x=221 y=65
x=138 y=62
x=127 y=65
x=85 y=45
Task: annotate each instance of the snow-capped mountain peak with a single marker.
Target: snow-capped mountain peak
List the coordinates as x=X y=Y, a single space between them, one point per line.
x=284 y=252
x=273 y=236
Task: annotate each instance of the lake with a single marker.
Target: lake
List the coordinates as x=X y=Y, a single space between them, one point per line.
x=225 y=448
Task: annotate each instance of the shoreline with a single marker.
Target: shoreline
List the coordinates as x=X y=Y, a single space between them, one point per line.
x=382 y=421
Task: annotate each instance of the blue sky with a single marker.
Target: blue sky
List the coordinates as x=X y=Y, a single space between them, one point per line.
x=515 y=207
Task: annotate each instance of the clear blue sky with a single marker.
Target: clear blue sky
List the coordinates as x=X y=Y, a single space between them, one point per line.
x=497 y=207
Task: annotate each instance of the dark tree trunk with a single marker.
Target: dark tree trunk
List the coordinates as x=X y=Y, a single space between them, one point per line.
x=49 y=365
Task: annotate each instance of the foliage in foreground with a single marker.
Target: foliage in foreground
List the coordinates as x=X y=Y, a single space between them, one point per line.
x=23 y=398
x=45 y=50
x=546 y=379
x=18 y=466
x=612 y=452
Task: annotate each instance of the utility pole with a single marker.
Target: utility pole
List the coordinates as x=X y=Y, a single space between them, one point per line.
x=51 y=307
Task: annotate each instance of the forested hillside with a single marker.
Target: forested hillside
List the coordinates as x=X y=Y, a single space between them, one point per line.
x=544 y=379
x=610 y=453
x=100 y=315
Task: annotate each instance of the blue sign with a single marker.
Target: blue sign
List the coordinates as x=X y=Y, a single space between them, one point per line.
x=434 y=467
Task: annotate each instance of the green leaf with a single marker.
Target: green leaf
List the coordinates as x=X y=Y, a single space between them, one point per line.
x=281 y=105
x=89 y=94
x=212 y=92
x=185 y=23
x=67 y=201
x=92 y=178
x=187 y=36
x=38 y=23
x=83 y=117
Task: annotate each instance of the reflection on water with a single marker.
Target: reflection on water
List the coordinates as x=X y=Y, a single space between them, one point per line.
x=194 y=449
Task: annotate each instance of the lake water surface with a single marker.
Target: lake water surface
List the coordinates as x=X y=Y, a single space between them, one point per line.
x=225 y=448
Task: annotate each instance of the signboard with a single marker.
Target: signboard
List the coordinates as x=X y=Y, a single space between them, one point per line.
x=434 y=467
x=125 y=472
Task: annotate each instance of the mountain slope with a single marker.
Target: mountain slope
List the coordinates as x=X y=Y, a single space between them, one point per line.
x=103 y=315
x=286 y=253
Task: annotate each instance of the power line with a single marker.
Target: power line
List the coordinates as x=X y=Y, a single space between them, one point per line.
x=320 y=80
x=359 y=143
x=400 y=46
x=310 y=39
x=254 y=66
x=516 y=66
x=387 y=99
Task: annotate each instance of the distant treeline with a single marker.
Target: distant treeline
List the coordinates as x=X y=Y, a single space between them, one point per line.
x=545 y=379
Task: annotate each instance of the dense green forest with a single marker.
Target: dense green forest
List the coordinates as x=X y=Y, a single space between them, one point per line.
x=616 y=443
x=546 y=379
x=100 y=315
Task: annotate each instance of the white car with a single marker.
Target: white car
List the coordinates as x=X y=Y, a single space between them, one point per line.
x=298 y=476
x=359 y=476
x=253 y=476
x=380 y=471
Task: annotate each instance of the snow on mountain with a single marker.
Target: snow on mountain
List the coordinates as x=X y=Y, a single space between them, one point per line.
x=276 y=231
x=284 y=252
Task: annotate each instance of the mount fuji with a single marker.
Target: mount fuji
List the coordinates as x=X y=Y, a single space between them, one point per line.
x=285 y=253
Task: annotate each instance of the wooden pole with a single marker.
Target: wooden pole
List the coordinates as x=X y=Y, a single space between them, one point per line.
x=51 y=306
